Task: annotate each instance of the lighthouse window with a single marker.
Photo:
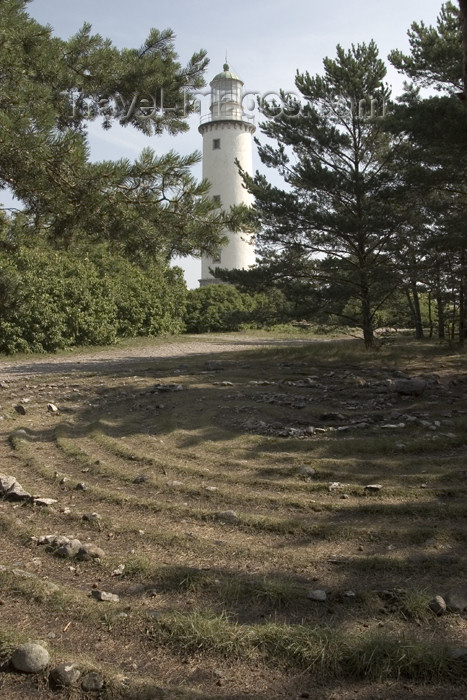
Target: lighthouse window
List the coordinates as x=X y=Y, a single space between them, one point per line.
x=217 y=198
x=216 y=144
x=217 y=258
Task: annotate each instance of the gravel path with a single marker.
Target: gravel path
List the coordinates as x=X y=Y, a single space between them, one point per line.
x=118 y=358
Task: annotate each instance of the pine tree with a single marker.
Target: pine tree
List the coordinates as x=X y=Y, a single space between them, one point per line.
x=49 y=91
x=463 y=8
x=431 y=157
x=334 y=220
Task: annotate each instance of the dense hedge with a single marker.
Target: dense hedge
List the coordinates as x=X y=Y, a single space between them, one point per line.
x=56 y=299
x=224 y=308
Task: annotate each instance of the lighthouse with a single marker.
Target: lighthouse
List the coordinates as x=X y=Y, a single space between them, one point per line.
x=227 y=137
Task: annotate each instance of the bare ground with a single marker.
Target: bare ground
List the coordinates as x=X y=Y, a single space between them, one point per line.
x=216 y=445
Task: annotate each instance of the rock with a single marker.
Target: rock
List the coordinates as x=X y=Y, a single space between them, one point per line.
x=332 y=417
x=119 y=570
x=227 y=516
x=53 y=540
x=410 y=387
x=456 y=599
x=104 y=596
x=69 y=550
x=30 y=658
x=306 y=471
x=17 y=493
x=90 y=551
x=438 y=605
x=52 y=408
x=92 y=682
x=80 y=487
x=91 y=517
x=6 y=482
x=335 y=486
x=21 y=433
x=141 y=479
x=38 y=501
x=64 y=675
x=373 y=488
x=317 y=595
x=20 y=409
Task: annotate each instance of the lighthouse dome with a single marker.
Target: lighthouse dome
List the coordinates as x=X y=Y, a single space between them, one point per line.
x=226 y=74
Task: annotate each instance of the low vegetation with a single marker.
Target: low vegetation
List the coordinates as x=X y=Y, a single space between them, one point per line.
x=221 y=533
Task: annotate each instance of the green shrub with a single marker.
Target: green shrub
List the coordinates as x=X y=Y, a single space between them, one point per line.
x=52 y=299
x=221 y=307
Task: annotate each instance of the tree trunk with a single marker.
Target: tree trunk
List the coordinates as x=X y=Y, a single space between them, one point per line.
x=463 y=6
x=462 y=305
x=430 y=315
x=417 y=316
x=367 y=320
x=440 y=306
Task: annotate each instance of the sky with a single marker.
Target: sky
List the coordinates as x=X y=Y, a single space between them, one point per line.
x=266 y=41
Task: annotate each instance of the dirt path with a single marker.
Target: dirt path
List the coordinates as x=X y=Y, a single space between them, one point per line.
x=117 y=358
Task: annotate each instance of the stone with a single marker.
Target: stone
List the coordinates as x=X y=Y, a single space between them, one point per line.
x=53 y=540
x=21 y=433
x=20 y=409
x=119 y=570
x=332 y=417
x=104 y=596
x=456 y=599
x=90 y=551
x=6 y=482
x=52 y=408
x=91 y=517
x=17 y=493
x=92 y=682
x=46 y=502
x=438 y=605
x=373 y=488
x=30 y=658
x=69 y=550
x=80 y=487
x=410 y=387
x=141 y=479
x=227 y=516
x=64 y=675
x=306 y=471
x=319 y=596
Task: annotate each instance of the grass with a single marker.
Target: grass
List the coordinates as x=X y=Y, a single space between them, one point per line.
x=199 y=593
x=321 y=651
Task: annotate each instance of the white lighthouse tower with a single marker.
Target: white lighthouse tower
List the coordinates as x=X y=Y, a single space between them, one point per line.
x=227 y=137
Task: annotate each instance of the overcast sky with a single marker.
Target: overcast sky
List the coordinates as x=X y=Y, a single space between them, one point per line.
x=266 y=42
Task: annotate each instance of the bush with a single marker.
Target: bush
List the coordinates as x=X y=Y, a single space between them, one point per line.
x=221 y=307
x=52 y=300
